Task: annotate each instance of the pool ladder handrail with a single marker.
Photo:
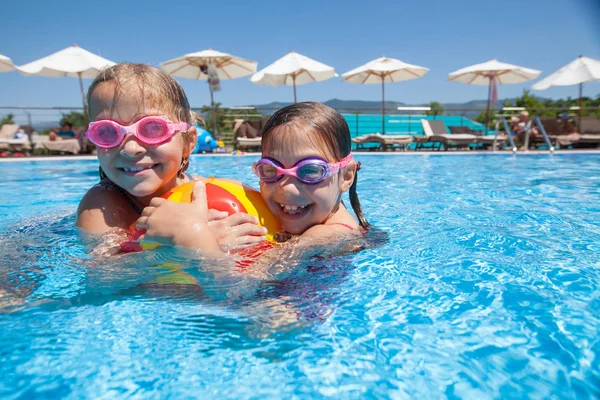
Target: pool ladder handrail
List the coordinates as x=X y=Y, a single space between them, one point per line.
x=502 y=121
x=536 y=121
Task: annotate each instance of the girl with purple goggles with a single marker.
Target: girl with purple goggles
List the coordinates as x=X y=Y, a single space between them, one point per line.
x=311 y=170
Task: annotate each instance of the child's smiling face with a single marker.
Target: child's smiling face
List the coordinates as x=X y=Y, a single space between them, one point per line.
x=298 y=206
x=140 y=169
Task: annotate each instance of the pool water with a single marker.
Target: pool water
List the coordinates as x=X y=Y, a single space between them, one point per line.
x=408 y=124
x=488 y=287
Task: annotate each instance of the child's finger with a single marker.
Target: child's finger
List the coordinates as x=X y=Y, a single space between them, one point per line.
x=241 y=218
x=249 y=241
x=216 y=215
x=147 y=211
x=249 y=229
x=157 y=201
x=199 y=197
x=141 y=222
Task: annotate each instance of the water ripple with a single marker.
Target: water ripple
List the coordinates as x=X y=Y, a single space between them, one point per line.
x=483 y=281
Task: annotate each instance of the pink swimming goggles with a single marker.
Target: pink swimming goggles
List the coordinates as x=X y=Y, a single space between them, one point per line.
x=151 y=130
x=311 y=170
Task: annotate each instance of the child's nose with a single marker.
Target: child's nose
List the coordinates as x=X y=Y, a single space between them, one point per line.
x=289 y=185
x=132 y=147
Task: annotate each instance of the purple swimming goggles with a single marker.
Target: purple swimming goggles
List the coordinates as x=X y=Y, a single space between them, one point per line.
x=311 y=170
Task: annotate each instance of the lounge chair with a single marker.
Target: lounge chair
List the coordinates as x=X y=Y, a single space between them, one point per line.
x=60 y=146
x=590 y=125
x=556 y=133
x=590 y=132
x=361 y=141
x=246 y=134
x=9 y=140
x=384 y=142
x=435 y=132
x=486 y=141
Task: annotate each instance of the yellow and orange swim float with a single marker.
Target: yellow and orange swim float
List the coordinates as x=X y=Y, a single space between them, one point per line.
x=222 y=195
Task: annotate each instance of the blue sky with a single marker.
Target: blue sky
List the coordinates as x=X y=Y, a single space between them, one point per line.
x=441 y=35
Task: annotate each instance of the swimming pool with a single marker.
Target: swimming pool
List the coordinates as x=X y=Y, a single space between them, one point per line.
x=396 y=124
x=489 y=286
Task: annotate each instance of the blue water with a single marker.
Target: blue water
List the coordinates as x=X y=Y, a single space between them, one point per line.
x=362 y=124
x=489 y=287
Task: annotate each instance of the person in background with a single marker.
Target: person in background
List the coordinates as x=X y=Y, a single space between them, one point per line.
x=520 y=128
x=567 y=126
x=66 y=131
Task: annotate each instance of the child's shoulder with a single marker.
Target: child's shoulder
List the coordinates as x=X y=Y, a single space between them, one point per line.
x=333 y=228
x=103 y=208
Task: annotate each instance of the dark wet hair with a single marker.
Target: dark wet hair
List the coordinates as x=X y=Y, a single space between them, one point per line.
x=327 y=128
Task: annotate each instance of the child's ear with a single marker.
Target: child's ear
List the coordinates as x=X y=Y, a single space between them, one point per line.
x=347 y=176
x=192 y=137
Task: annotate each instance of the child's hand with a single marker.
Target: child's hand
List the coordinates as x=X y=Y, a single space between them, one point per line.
x=177 y=224
x=235 y=231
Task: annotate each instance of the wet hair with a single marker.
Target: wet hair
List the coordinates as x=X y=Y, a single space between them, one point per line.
x=157 y=88
x=325 y=127
x=67 y=123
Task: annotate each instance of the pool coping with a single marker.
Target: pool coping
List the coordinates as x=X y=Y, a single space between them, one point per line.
x=361 y=153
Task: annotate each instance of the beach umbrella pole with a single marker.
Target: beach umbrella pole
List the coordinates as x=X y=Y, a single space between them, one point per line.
x=487 y=111
x=383 y=105
x=294 y=82
x=579 y=111
x=85 y=114
x=212 y=108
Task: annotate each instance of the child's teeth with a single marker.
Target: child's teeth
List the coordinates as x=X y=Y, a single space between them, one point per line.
x=134 y=169
x=293 y=209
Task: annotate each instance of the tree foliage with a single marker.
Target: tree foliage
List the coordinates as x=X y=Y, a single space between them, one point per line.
x=75 y=118
x=436 y=108
x=9 y=119
x=545 y=107
x=223 y=117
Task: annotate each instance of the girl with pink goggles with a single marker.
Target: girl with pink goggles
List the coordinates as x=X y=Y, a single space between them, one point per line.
x=151 y=130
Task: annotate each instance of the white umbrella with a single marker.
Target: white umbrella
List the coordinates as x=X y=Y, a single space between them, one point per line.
x=485 y=73
x=383 y=70
x=583 y=69
x=293 y=69
x=73 y=61
x=6 y=64
x=196 y=66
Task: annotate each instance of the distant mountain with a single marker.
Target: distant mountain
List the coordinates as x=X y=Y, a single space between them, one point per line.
x=374 y=107
x=369 y=106
x=338 y=104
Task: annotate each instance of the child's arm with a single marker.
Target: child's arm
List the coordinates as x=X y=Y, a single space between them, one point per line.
x=192 y=225
x=320 y=240
x=102 y=210
x=179 y=224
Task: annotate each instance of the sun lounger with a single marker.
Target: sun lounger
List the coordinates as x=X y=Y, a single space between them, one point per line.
x=360 y=141
x=590 y=132
x=13 y=138
x=590 y=125
x=383 y=142
x=436 y=132
x=61 y=146
x=246 y=134
x=554 y=130
x=486 y=141
x=249 y=143
x=7 y=132
x=556 y=133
